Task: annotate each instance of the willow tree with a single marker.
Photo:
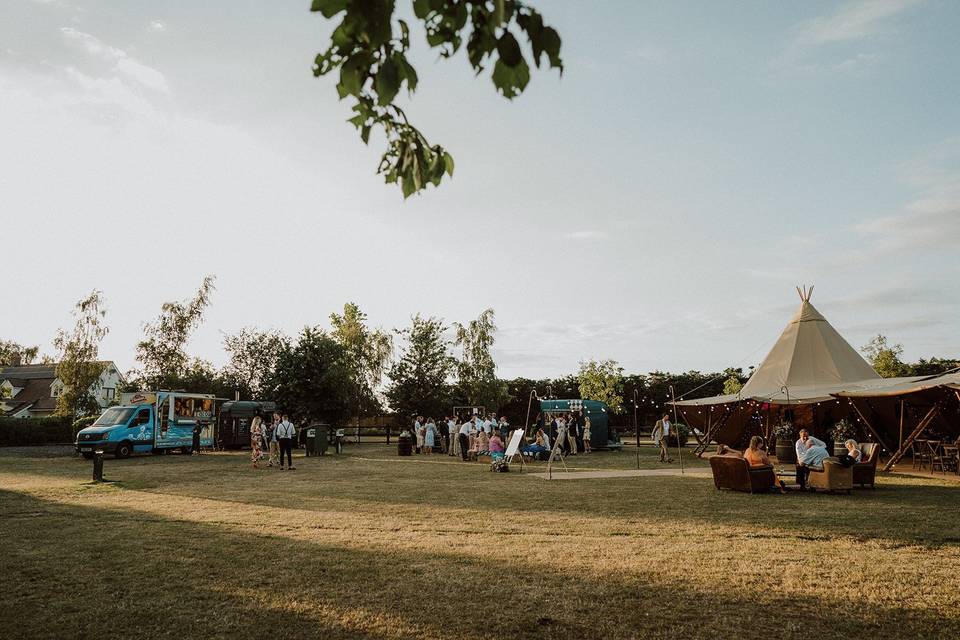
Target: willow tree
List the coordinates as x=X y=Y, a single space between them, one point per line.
x=79 y=367
x=366 y=352
x=162 y=352
x=477 y=380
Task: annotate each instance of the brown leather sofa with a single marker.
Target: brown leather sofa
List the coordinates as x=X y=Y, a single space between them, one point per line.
x=833 y=477
x=732 y=472
x=865 y=471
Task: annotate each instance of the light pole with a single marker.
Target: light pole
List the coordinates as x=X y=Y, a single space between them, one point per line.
x=673 y=398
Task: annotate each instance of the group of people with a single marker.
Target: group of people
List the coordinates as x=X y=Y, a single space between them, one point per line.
x=570 y=432
x=277 y=437
x=468 y=438
x=811 y=452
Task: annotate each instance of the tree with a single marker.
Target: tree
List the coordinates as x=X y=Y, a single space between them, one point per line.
x=369 y=49
x=602 y=381
x=885 y=358
x=79 y=368
x=310 y=381
x=162 y=352
x=732 y=385
x=253 y=359
x=13 y=354
x=420 y=378
x=367 y=354
x=477 y=380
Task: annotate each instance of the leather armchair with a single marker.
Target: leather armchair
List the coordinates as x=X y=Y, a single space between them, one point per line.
x=733 y=472
x=834 y=477
x=865 y=471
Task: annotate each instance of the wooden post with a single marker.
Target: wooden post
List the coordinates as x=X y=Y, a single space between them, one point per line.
x=902 y=409
x=921 y=427
x=388 y=435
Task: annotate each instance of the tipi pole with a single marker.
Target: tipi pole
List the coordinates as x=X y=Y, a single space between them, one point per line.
x=673 y=397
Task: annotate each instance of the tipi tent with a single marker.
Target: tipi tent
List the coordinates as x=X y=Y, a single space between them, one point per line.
x=809 y=361
x=807 y=364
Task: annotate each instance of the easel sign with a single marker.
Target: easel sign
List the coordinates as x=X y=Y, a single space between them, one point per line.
x=513 y=448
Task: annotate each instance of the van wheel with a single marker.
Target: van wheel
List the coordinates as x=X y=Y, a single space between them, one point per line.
x=185 y=450
x=124 y=449
x=87 y=455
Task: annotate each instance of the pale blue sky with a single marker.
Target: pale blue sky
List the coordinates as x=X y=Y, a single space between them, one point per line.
x=657 y=204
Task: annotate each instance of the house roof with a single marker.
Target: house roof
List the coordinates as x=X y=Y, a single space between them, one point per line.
x=29 y=372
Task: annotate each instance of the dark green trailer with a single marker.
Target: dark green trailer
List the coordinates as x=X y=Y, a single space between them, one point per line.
x=601 y=436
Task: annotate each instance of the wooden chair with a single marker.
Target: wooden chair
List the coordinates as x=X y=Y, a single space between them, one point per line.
x=920 y=453
x=951 y=458
x=936 y=455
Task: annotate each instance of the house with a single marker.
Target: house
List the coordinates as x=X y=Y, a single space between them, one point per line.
x=31 y=391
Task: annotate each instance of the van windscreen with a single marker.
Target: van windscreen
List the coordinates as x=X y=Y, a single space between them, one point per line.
x=114 y=415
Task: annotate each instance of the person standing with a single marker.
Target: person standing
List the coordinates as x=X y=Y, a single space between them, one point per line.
x=195 y=449
x=661 y=436
x=572 y=435
x=463 y=439
x=804 y=444
x=285 y=434
x=274 y=447
x=504 y=429
x=429 y=436
x=452 y=433
x=256 y=433
x=586 y=434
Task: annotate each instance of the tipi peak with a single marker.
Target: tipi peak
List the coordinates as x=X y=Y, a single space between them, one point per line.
x=805 y=292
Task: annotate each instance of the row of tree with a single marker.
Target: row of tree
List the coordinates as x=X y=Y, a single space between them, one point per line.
x=352 y=370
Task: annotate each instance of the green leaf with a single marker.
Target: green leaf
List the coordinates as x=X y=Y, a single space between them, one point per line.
x=407 y=71
x=511 y=81
x=328 y=8
x=387 y=82
x=350 y=77
x=421 y=8
x=509 y=49
x=448 y=163
x=407 y=184
x=365 y=134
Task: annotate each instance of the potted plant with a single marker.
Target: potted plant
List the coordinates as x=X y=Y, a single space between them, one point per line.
x=786 y=451
x=841 y=432
x=680 y=431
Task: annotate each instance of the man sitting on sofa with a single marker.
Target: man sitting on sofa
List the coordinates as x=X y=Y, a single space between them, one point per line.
x=811 y=452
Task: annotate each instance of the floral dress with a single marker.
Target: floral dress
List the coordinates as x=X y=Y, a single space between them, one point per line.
x=256 y=441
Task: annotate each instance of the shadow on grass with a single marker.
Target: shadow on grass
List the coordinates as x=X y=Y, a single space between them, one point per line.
x=80 y=570
x=902 y=511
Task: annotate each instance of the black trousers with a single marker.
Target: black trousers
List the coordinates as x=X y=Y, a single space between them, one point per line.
x=464 y=445
x=802 y=473
x=286 y=445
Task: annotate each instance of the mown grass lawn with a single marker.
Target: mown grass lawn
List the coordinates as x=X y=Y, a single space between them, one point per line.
x=366 y=545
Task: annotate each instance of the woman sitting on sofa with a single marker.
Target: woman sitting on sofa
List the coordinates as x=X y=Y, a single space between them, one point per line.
x=757 y=457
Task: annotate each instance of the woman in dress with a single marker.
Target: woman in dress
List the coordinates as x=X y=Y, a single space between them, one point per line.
x=256 y=442
x=757 y=457
x=418 y=432
x=429 y=436
x=586 y=434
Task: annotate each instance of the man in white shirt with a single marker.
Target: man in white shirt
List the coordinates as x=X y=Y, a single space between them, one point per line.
x=285 y=433
x=661 y=436
x=811 y=452
x=464 y=439
x=487 y=427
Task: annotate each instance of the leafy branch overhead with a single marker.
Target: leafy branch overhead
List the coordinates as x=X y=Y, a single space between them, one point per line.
x=369 y=48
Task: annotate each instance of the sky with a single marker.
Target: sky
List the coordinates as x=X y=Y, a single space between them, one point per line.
x=656 y=204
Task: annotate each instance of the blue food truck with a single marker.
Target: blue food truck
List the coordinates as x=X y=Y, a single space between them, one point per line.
x=150 y=422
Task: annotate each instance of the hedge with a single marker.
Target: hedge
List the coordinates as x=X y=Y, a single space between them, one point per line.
x=19 y=432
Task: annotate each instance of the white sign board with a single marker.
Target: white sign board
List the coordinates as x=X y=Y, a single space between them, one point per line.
x=515 y=439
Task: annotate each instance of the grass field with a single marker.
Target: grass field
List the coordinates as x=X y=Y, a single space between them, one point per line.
x=367 y=545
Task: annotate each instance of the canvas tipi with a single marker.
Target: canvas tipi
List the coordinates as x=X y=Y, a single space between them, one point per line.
x=809 y=360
